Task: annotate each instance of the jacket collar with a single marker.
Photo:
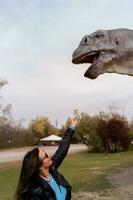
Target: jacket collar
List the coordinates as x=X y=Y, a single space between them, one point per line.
x=43 y=183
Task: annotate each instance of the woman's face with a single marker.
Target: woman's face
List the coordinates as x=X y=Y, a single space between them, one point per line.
x=45 y=158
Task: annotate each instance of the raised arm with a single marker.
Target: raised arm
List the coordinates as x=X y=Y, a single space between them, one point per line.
x=63 y=148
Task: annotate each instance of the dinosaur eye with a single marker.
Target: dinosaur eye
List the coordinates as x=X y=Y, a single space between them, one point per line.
x=117 y=42
x=99 y=35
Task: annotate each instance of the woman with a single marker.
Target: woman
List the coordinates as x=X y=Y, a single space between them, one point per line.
x=39 y=178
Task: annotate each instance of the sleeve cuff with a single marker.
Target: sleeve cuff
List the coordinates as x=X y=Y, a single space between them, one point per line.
x=72 y=128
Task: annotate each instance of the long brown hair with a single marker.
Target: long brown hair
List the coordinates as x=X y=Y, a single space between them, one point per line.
x=29 y=173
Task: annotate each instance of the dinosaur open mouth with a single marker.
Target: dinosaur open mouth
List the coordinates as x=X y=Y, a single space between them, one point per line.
x=91 y=58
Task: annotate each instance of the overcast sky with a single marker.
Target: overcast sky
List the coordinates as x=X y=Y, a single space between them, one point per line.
x=37 y=39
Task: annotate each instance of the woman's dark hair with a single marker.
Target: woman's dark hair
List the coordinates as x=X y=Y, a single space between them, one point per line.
x=29 y=173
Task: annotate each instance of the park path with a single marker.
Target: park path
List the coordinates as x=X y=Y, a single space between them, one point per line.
x=123 y=187
x=18 y=153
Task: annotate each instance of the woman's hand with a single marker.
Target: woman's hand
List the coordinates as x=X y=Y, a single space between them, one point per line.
x=73 y=122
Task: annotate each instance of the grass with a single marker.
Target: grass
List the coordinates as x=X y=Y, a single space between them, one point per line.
x=9 y=173
x=85 y=171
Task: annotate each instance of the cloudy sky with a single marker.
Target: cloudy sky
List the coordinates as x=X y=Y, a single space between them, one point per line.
x=37 y=39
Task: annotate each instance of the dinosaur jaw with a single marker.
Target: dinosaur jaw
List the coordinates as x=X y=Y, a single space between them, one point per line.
x=91 y=58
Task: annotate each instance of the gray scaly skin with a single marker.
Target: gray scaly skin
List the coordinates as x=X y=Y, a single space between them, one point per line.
x=108 y=51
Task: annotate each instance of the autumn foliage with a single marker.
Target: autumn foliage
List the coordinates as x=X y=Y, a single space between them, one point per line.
x=113 y=133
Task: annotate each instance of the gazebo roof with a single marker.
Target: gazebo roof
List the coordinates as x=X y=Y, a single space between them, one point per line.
x=51 y=138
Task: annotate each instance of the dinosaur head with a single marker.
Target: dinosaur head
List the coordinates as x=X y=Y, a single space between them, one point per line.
x=103 y=50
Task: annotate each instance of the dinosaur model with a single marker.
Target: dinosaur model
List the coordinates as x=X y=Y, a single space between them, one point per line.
x=108 y=51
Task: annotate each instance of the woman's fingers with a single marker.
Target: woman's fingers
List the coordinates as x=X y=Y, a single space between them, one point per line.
x=73 y=122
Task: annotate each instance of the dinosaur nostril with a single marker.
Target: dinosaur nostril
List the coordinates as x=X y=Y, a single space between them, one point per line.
x=85 y=40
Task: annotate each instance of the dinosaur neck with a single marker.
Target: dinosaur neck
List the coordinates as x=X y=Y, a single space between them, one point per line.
x=126 y=69
x=124 y=65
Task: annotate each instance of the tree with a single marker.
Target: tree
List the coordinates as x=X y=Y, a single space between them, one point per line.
x=114 y=133
x=118 y=129
x=85 y=128
x=12 y=134
x=102 y=132
x=131 y=129
x=41 y=127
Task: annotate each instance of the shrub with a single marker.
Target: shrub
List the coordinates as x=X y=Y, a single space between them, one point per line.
x=114 y=133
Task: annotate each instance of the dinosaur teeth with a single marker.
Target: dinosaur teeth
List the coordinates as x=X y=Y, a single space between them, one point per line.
x=86 y=58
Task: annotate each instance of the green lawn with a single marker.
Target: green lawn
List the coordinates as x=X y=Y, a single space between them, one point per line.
x=85 y=171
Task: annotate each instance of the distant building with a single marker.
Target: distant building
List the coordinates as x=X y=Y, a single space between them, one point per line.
x=50 y=140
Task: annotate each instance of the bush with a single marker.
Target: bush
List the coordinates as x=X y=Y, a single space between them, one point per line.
x=95 y=143
x=114 y=133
